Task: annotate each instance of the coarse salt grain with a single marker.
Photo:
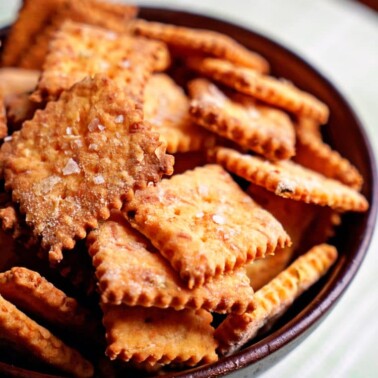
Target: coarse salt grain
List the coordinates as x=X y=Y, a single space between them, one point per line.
x=98 y=179
x=218 y=219
x=71 y=167
x=119 y=119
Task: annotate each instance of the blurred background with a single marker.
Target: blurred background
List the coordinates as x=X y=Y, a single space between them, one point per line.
x=340 y=39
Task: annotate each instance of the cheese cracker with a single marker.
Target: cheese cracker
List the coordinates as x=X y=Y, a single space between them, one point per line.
x=159 y=336
x=117 y=251
x=18 y=329
x=265 y=88
x=80 y=157
x=275 y=297
x=166 y=108
x=204 y=224
x=290 y=180
x=260 y=128
x=200 y=41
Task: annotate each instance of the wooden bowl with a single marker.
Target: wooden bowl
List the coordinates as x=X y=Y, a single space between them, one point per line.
x=346 y=134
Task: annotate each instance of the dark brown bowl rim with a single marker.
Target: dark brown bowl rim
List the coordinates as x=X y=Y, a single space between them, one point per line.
x=296 y=329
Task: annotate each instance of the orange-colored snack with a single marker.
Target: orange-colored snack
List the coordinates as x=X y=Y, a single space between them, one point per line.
x=318 y=156
x=117 y=251
x=79 y=50
x=201 y=42
x=265 y=88
x=166 y=108
x=80 y=157
x=3 y=118
x=32 y=293
x=204 y=224
x=275 y=297
x=19 y=330
x=260 y=128
x=14 y=81
x=38 y=20
x=290 y=180
x=159 y=336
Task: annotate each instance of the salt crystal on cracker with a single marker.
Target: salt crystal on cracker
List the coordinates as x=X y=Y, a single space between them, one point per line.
x=154 y=335
x=288 y=179
x=43 y=149
x=199 y=247
x=275 y=297
x=18 y=329
x=265 y=88
x=260 y=128
x=79 y=50
x=200 y=41
x=166 y=108
x=117 y=250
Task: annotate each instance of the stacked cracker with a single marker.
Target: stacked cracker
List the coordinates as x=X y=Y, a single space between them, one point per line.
x=253 y=184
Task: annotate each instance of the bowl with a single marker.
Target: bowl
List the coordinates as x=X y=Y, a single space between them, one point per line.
x=346 y=134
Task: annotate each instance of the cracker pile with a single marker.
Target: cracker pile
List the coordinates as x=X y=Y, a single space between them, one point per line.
x=167 y=197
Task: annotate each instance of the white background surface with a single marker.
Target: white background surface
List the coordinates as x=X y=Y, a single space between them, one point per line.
x=340 y=38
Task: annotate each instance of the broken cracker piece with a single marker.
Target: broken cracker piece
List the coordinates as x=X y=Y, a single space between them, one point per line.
x=80 y=157
x=318 y=156
x=274 y=298
x=117 y=250
x=159 y=336
x=18 y=329
x=200 y=41
x=288 y=179
x=166 y=108
x=79 y=50
x=260 y=128
x=204 y=224
x=268 y=89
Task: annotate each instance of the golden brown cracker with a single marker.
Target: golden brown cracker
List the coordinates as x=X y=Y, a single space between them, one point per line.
x=15 y=81
x=201 y=41
x=80 y=157
x=204 y=224
x=268 y=89
x=166 y=108
x=31 y=19
x=318 y=156
x=275 y=297
x=79 y=50
x=16 y=328
x=163 y=336
x=40 y=19
x=117 y=251
x=32 y=293
x=260 y=128
x=290 y=180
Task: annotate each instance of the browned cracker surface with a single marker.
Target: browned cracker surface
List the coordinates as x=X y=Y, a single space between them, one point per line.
x=263 y=129
x=275 y=297
x=118 y=251
x=204 y=224
x=80 y=157
x=154 y=335
x=288 y=179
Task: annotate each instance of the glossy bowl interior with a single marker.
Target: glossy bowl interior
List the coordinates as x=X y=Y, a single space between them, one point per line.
x=346 y=134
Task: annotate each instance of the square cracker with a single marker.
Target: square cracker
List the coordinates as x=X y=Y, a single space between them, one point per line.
x=263 y=129
x=204 y=224
x=118 y=249
x=154 y=335
x=290 y=180
x=19 y=330
x=275 y=297
x=79 y=157
x=166 y=108
x=79 y=50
